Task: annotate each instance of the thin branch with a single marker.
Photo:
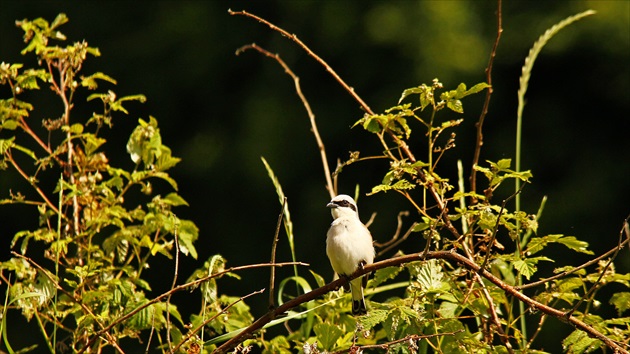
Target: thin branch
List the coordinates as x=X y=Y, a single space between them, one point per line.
x=385 y=346
x=486 y=104
x=272 y=277
x=320 y=144
x=496 y=226
x=584 y=265
x=181 y=287
x=601 y=275
x=224 y=310
x=31 y=181
x=294 y=38
x=395 y=262
x=398 y=230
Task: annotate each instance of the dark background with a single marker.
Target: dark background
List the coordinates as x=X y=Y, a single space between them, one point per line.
x=222 y=112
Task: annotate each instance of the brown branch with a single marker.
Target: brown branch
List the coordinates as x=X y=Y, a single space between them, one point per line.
x=332 y=190
x=394 y=262
x=484 y=110
x=31 y=181
x=602 y=273
x=180 y=288
x=624 y=229
x=294 y=38
x=224 y=310
x=385 y=346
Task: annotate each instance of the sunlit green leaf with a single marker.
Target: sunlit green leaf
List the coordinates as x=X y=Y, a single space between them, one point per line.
x=327 y=334
x=621 y=301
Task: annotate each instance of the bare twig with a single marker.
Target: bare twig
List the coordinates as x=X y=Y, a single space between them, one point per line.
x=294 y=38
x=486 y=104
x=272 y=277
x=332 y=190
x=398 y=230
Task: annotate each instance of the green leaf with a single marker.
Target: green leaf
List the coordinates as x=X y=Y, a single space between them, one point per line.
x=429 y=276
x=188 y=234
x=400 y=185
x=327 y=335
x=536 y=244
x=91 y=83
x=384 y=274
x=319 y=280
x=575 y=244
x=527 y=267
x=621 y=301
x=579 y=342
x=175 y=199
x=373 y=318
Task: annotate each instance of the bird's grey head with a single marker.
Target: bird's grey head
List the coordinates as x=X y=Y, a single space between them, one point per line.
x=343 y=205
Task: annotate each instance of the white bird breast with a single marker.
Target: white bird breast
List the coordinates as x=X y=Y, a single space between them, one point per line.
x=348 y=243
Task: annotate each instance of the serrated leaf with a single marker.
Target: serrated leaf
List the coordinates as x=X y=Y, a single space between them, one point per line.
x=527 y=267
x=575 y=244
x=384 y=274
x=327 y=335
x=536 y=244
x=430 y=277
x=621 y=301
x=373 y=318
x=188 y=234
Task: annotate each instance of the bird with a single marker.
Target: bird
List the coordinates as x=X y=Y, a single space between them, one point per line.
x=349 y=246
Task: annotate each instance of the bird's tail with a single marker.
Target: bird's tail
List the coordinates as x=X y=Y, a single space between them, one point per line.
x=358 y=302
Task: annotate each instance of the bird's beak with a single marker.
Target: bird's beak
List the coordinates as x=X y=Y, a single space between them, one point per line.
x=331 y=205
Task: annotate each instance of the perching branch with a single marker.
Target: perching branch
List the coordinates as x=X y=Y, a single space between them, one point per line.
x=398 y=261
